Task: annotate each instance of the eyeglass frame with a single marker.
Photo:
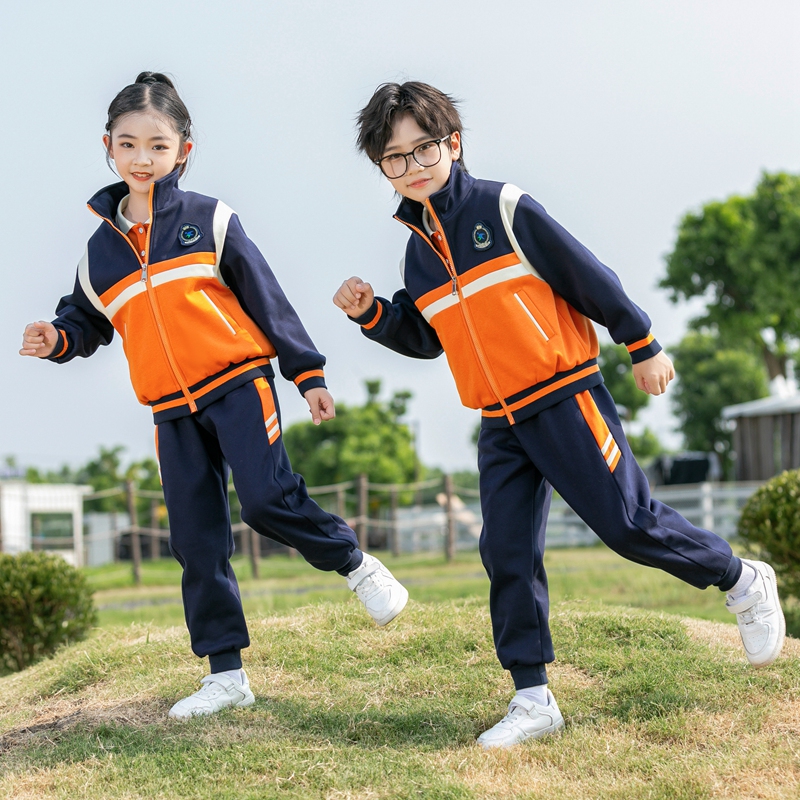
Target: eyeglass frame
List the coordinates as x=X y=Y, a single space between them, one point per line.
x=437 y=142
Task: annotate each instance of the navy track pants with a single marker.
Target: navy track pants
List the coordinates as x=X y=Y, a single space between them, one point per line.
x=577 y=447
x=240 y=430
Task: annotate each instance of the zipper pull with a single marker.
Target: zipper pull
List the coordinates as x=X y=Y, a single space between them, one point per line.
x=455 y=286
x=144 y=273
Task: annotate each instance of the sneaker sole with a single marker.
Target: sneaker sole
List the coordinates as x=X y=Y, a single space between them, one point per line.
x=553 y=730
x=776 y=651
x=396 y=608
x=248 y=701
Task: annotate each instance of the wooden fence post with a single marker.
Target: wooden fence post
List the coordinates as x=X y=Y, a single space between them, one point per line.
x=363 y=499
x=450 y=539
x=395 y=543
x=155 y=539
x=255 y=552
x=136 y=551
x=341 y=506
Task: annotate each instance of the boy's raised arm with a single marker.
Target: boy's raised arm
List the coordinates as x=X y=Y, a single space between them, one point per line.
x=397 y=325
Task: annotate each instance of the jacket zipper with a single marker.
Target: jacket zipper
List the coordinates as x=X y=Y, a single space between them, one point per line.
x=151 y=298
x=447 y=260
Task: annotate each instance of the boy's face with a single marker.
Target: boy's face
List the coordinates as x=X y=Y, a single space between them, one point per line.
x=419 y=182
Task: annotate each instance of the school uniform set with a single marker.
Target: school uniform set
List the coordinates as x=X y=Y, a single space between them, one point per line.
x=202 y=317
x=510 y=297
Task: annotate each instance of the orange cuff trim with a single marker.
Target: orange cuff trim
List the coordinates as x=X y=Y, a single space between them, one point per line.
x=66 y=344
x=641 y=343
x=375 y=319
x=304 y=376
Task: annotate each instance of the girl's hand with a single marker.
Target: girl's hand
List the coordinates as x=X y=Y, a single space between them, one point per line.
x=653 y=375
x=355 y=297
x=320 y=403
x=39 y=340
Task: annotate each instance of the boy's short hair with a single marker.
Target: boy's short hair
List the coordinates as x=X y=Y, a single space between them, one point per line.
x=434 y=111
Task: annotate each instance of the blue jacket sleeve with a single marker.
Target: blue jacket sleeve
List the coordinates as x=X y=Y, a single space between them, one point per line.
x=250 y=278
x=400 y=327
x=581 y=279
x=81 y=327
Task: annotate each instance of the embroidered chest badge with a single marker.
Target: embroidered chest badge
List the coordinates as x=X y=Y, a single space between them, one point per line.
x=482 y=237
x=189 y=234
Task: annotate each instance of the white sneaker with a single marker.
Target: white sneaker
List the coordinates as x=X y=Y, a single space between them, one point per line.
x=759 y=616
x=381 y=593
x=525 y=720
x=218 y=692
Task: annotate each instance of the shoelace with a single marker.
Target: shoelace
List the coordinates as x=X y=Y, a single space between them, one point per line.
x=210 y=690
x=370 y=585
x=509 y=718
x=751 y=615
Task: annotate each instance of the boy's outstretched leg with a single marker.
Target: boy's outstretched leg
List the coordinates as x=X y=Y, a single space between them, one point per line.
x=583 y=436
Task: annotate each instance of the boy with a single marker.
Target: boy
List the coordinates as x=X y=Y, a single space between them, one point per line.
x=509 y=295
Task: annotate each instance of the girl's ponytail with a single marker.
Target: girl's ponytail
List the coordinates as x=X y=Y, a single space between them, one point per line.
x=149 y=78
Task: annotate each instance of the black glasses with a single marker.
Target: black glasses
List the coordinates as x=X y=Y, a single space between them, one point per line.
x=427 y=154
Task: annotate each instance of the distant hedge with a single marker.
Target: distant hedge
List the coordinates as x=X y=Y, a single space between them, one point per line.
x=770 y=526
x=44 y=603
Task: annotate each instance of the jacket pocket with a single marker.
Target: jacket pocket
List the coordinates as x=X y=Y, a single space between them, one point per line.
x=219 y=313
x=537 y=319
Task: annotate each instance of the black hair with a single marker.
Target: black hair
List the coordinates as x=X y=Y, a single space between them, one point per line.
x=434 y=111
x=152 y=91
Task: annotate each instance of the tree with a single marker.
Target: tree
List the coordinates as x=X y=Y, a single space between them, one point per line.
x=742 y=256
x=369 y=439
x=710 y=377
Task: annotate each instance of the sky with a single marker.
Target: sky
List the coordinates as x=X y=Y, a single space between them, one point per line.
x=619 y=117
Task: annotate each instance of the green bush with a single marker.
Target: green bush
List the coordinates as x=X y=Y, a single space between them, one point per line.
x=44 y=603
x=770 y=526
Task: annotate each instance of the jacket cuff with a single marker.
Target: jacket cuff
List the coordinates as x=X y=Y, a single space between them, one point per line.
x=61 y=347
x=369 y=320
x=312 y=379
x=642 y=349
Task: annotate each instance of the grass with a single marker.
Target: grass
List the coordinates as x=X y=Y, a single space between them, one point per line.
x=579 y=573
x=658 y=706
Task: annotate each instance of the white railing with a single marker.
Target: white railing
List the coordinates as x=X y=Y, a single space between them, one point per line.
x=713 y=506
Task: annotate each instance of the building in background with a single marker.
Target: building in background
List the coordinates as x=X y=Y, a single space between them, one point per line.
x=42 y=516
x=766 y=438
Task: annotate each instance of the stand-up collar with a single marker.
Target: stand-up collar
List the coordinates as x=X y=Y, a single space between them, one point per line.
x=444 y=202
x=106 y=202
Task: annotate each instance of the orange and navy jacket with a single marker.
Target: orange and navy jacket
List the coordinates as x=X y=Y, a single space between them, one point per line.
x=508 y=295
x=199 y=310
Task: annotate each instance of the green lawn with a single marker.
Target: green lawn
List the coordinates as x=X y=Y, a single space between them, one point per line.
x=588 y=573
x=657 y=706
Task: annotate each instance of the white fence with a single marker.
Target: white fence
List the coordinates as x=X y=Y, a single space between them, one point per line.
x=713 y=506
x=31 y=518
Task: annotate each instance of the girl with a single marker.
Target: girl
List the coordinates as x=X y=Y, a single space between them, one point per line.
x=201 y=317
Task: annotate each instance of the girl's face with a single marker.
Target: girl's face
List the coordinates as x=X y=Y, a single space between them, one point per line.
x=145 y=147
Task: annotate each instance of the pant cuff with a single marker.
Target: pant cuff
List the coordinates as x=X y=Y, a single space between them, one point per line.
x=356 y=557
x=529 y=675
x=732 y=574
x=221 y=662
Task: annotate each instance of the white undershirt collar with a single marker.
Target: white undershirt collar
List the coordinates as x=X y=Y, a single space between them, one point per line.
x=123 y=223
